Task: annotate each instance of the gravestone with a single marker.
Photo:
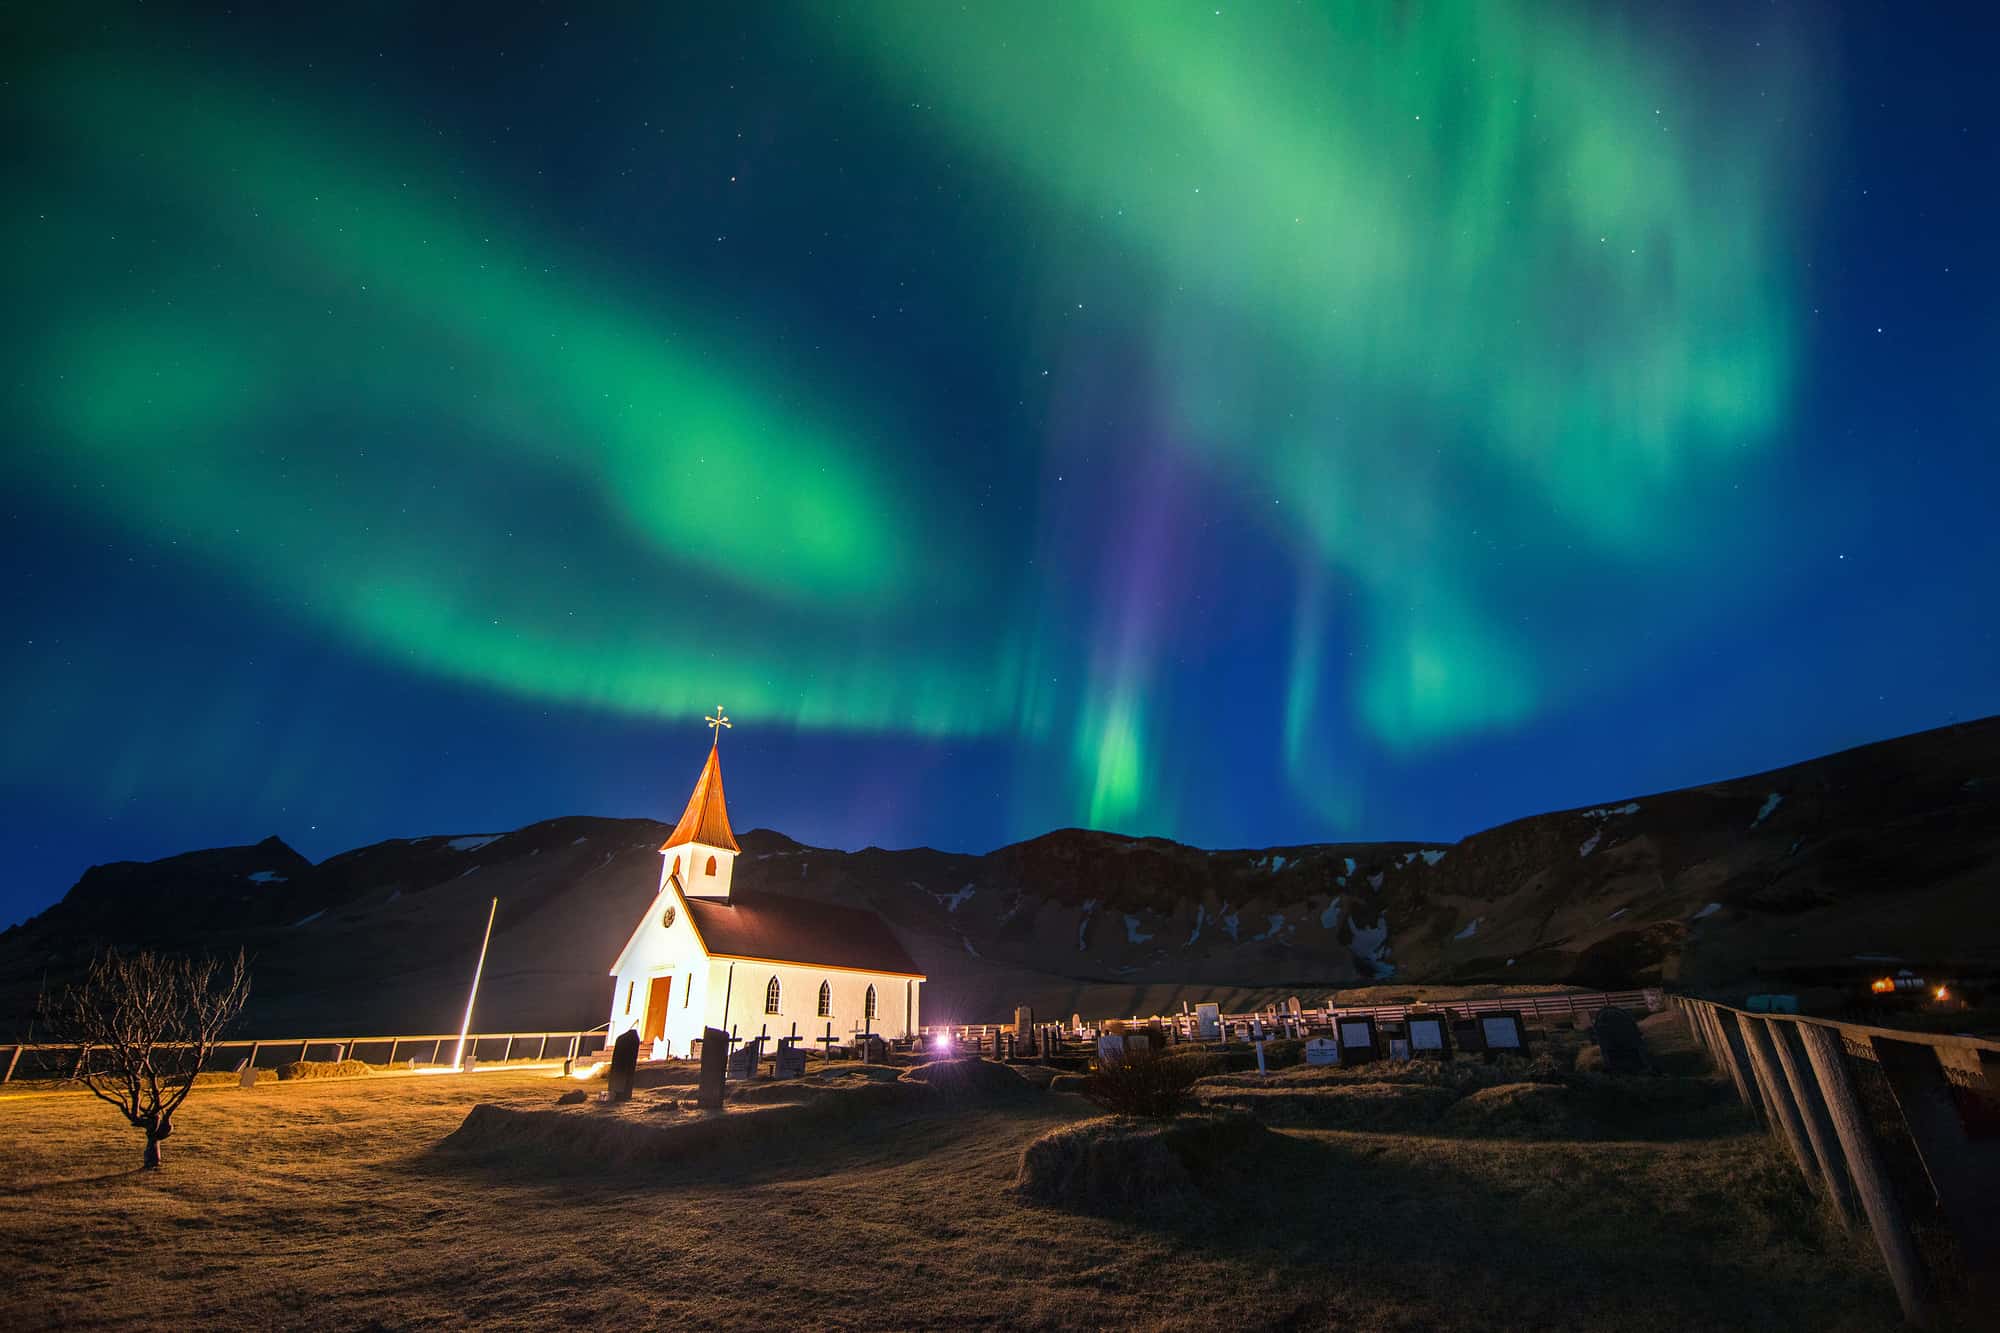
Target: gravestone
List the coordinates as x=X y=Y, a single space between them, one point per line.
x=1322 y=1051
x=1427 y=1037
x=1357 y=1038
x=1617 y=1035
x=1208 y=1022
x=1024 y=1028
x=246 y=1075
x=624 y=1060
x=1293 y=1006
x=1110 y=1048
x=1399 y=1048
x=1466 y=1036
x=1503 y=1034
x=743 y=1062
x=790 y=1062
x=714 y=1063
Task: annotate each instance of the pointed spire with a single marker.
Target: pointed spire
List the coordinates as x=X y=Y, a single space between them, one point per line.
x=706 y=819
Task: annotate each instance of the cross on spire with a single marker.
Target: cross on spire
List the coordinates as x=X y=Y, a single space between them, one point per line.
x=718 y=722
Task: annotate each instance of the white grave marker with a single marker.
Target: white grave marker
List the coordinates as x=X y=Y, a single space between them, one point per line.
x=1322 y=1051
x=1208 y=1021
x=1110 y=1048
x=1501 y=1034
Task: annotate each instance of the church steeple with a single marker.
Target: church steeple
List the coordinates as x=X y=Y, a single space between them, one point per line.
x=706 y=819
x=699 y=856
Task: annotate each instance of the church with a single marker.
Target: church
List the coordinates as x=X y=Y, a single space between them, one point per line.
x=751 y=963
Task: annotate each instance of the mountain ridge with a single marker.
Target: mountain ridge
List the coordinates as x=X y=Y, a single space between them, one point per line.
x=1886 y=850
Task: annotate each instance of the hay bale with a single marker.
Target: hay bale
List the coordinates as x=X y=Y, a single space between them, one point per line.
x=1522 y=1111
x=298 y=1069
x=1124 y=1166
x=1351 y=1105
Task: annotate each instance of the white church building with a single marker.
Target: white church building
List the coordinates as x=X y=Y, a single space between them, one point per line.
x=751 y=963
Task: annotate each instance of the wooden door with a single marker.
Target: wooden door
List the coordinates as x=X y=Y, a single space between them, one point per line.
x=657 y=995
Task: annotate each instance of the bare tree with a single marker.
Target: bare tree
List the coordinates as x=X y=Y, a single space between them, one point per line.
x=147 y=1023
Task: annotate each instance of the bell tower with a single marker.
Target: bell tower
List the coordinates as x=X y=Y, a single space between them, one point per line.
x=700 y=854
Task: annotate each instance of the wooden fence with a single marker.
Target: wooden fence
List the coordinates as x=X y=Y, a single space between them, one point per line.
x=62 y=1060
x=1901 y=1128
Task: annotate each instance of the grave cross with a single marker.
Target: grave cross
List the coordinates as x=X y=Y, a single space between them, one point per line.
x=827 y=1043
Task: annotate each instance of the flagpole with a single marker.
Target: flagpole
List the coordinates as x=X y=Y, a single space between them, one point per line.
x=458 y=1056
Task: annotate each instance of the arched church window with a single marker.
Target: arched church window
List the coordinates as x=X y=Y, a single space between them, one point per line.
x=869 y=1010
x=711 y=865
x=825 y=1000
x=628 y=995
x=771 y=997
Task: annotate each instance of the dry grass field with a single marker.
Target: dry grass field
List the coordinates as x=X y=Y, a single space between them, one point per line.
x=326 y=1205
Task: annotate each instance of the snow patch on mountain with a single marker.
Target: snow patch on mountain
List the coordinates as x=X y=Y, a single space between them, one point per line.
x=1133 y=935
x=1709 y=910
x=1083 y=924
x=1771 y=803
x=1606 y=811
x=1330 y=918
x=473 y=844
x=1590 y=843
x=953 y=901
x=267 y=877
x=308 y=920
x=1229 y=924
x=1272 y=925
x=1471 y=929
x=1375 y=880
x=1432 y=855
x=1200 y=916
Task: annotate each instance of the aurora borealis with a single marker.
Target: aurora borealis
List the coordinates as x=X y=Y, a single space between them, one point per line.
x=1246 y=425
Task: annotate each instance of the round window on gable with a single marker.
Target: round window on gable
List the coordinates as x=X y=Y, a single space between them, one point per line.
x=667 y=917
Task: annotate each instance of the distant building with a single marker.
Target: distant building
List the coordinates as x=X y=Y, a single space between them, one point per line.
x=751 y=963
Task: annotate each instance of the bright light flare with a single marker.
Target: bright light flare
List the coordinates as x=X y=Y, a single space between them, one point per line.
x=587 y=1071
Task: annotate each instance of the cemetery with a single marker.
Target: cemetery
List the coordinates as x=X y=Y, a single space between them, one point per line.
x=1580 y=1171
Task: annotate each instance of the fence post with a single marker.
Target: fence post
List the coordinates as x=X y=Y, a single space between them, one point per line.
x=1812 y=1110
x=509 y=1049
x=543 y=1049
x=1963 y=1174
x=437 y=1049
x=1735 y=1058
x=12 y=1060
x=1871 y=1180
x=1777 y=1093
x=305 y=1048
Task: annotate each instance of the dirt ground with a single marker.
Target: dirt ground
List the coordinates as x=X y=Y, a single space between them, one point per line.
x=324 y=1205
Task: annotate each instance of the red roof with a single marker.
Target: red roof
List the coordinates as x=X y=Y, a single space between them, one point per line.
x=773 y=928
x=706 y=819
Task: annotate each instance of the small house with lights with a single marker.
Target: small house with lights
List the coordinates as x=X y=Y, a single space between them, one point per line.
x=751 y=963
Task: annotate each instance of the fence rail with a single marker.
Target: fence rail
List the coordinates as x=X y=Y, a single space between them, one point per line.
x=1898 y=1131
x=63 y=1059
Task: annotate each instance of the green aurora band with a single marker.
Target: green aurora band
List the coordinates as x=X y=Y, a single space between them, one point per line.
x=1403 y=257
x=1394 y=265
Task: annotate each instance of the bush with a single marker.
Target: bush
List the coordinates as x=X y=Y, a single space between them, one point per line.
x=324 y=1069
x=1151 y=1086
x=1202 y=1062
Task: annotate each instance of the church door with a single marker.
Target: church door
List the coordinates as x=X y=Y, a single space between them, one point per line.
x=657 y=995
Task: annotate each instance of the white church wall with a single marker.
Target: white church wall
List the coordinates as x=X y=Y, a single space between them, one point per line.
x=696 y=882
x=661 y=950
x=744 y=992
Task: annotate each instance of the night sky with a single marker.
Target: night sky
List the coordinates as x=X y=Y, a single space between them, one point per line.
x=1257 y=424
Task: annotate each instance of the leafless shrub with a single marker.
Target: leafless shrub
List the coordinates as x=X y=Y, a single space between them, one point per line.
x=1154 y=1086
x=147 y=1023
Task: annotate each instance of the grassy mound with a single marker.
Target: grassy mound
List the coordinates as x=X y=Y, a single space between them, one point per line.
x=1521 y=1111
x=1352 y=1105
x=297 y=1069
x=1069 y=1083
x=1123 y=1166
x=972 y=1077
